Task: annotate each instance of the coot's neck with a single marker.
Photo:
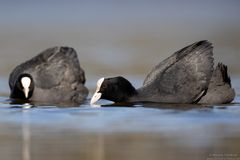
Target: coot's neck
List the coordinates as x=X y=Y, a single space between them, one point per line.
x=124 y=94
x=139 y=96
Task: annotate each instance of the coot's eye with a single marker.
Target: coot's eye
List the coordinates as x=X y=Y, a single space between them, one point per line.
x=103 y=87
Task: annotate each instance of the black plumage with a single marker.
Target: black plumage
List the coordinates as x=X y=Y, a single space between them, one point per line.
x=56 y=75
x=220 y=88
x=184 y=77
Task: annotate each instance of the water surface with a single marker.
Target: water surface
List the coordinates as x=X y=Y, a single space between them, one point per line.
x=141 y=131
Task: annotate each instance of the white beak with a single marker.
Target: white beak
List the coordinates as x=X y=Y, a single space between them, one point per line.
x=26 y=91
x=95 y=97
x=26 y=82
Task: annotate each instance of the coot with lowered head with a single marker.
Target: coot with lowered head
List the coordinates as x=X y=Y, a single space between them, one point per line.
x=53 y=76
x=188 y=76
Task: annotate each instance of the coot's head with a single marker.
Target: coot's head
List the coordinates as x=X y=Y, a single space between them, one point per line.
x=116 y=89
x=24 y=87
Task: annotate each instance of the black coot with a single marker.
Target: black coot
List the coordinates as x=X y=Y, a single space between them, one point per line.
x=53 y=76
x=187 y=76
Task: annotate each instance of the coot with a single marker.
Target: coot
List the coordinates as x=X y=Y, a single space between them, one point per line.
x=187 y=76
x=53 y=76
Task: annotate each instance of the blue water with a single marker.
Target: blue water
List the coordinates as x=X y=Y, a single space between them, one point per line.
x=141 y=131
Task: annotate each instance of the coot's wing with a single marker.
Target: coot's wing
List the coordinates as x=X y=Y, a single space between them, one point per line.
x=51 y=68
x=183 y=77
x=220 y=89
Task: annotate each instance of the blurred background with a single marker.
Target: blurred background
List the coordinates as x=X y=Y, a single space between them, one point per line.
x=118 y=37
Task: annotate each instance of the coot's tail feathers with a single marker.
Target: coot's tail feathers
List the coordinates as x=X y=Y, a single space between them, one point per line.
x=224 y=73
x=220 y=88
x=220 y=76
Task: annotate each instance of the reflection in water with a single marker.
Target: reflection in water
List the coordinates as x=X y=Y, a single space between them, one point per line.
x=168 y=106
x=100 y=149
x=19 y=103
x=118 y=131
x=26 y=133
